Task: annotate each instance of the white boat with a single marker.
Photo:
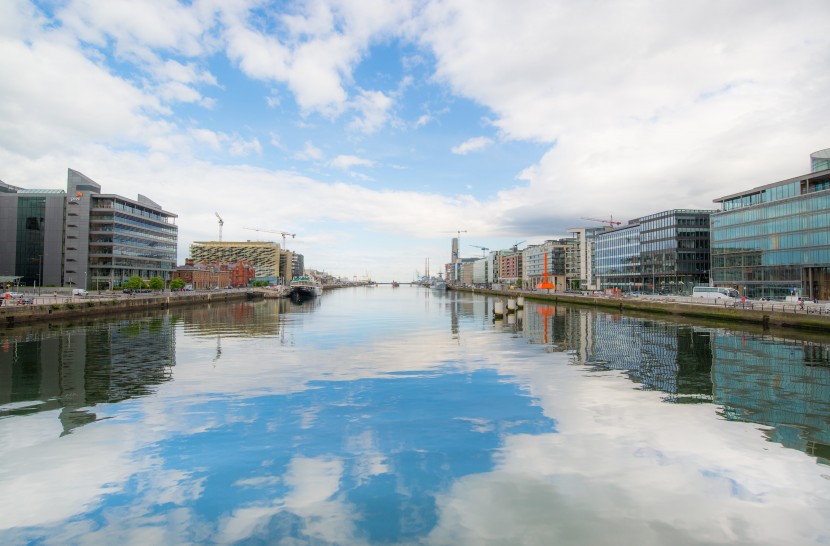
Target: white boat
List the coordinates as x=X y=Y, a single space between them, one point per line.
x=305 y=287
x=439 y=285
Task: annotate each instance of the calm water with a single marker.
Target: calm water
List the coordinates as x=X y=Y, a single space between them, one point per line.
x=401 y=416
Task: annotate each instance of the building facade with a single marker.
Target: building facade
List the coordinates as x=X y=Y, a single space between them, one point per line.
x=579 y=259
x=617 y=257
x=267 y=259
x=83 y=238
x=674 y=250
x=31 y=235
x=109 y=238
x=533 y=264
x=774 y=240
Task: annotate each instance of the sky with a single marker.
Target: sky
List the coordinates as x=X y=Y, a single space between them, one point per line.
x=376 y=131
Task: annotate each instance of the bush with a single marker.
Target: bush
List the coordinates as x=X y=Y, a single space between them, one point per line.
x=56 y=306
x=70 y=305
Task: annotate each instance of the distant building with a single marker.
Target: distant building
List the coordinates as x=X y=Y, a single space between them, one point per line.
x=83 y=238
x=215 y=275
x=773 y=240
x=269 y=261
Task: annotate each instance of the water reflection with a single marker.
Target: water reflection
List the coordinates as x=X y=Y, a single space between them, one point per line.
x=780 y=383
x=757 y=378
x=410 y=417
x=74 y=368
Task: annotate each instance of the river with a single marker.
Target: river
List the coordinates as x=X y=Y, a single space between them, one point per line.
x=405 y=416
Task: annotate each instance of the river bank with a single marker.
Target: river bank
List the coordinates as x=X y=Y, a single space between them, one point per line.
x=811 y=317
x=49 y=308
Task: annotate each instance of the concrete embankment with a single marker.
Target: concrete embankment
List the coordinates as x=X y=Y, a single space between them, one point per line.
x=813 y=317
x=91 y=306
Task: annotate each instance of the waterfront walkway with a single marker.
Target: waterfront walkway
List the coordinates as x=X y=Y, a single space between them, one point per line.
x=768 y=313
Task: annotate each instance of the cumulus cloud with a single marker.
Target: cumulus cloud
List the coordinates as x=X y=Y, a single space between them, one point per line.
x=373 y=111
x=661 y=109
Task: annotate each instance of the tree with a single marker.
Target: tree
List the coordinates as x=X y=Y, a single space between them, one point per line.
x=176 y=284
x=157 y=283
x=134 y=283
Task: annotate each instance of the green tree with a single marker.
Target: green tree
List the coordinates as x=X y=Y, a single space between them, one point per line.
x=134 y=283
x=176 y=284
x=157 y=283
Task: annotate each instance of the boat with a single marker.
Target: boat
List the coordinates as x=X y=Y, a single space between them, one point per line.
x=439 y=285
x=395 y=284
x=305 y=287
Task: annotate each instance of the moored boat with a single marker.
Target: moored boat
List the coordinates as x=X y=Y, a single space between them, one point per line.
x=305 y=287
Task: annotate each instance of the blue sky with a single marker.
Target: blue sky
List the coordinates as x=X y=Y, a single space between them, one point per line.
x=374 y=130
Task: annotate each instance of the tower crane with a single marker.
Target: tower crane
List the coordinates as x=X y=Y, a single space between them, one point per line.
x=283 y=233
x=221 y=223
x=611 y=222
x=516 y=245
x=484 y=249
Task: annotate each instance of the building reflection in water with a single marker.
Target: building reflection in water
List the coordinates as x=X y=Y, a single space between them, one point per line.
x=672 y=358
x=784 y=384
x=781 y=383
x=73 y=368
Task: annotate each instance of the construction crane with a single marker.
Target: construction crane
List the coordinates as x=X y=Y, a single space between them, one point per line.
x=611 y=222
x=516 y=246
x=484 y=249
x=283 y=233
x=221 y=223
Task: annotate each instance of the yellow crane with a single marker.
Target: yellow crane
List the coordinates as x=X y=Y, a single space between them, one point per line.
x=283 y=233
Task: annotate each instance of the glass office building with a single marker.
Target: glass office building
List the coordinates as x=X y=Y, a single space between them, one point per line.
x=674 y=250
x=774 y=240
x=665 y=252
x=109 y=238
x=31 y=242
x=617 y=259
x=820 y=160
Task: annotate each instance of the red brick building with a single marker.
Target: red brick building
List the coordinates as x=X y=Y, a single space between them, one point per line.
x=203 y=276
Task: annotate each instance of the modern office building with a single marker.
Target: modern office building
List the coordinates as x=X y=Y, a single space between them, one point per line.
x=774 y=240
x=31 y=235
x=83 y=238
x=109 y=238
x=663 y=252
x=674 y=250
x=268 y=260
x=820 y=161
x=617 y=259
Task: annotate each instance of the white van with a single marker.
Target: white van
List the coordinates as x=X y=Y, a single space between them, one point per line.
x=79 y=292
x=715 y=293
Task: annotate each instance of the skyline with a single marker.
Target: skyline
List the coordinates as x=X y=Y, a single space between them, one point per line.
x=375 y=131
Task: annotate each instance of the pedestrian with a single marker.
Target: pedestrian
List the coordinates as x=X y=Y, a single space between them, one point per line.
x=55 y=294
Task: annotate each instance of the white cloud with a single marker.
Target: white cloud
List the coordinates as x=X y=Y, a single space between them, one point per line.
x=373 y=108
x=649 y=107
x=475 y=144
x=346 y=162
x=309 y=153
